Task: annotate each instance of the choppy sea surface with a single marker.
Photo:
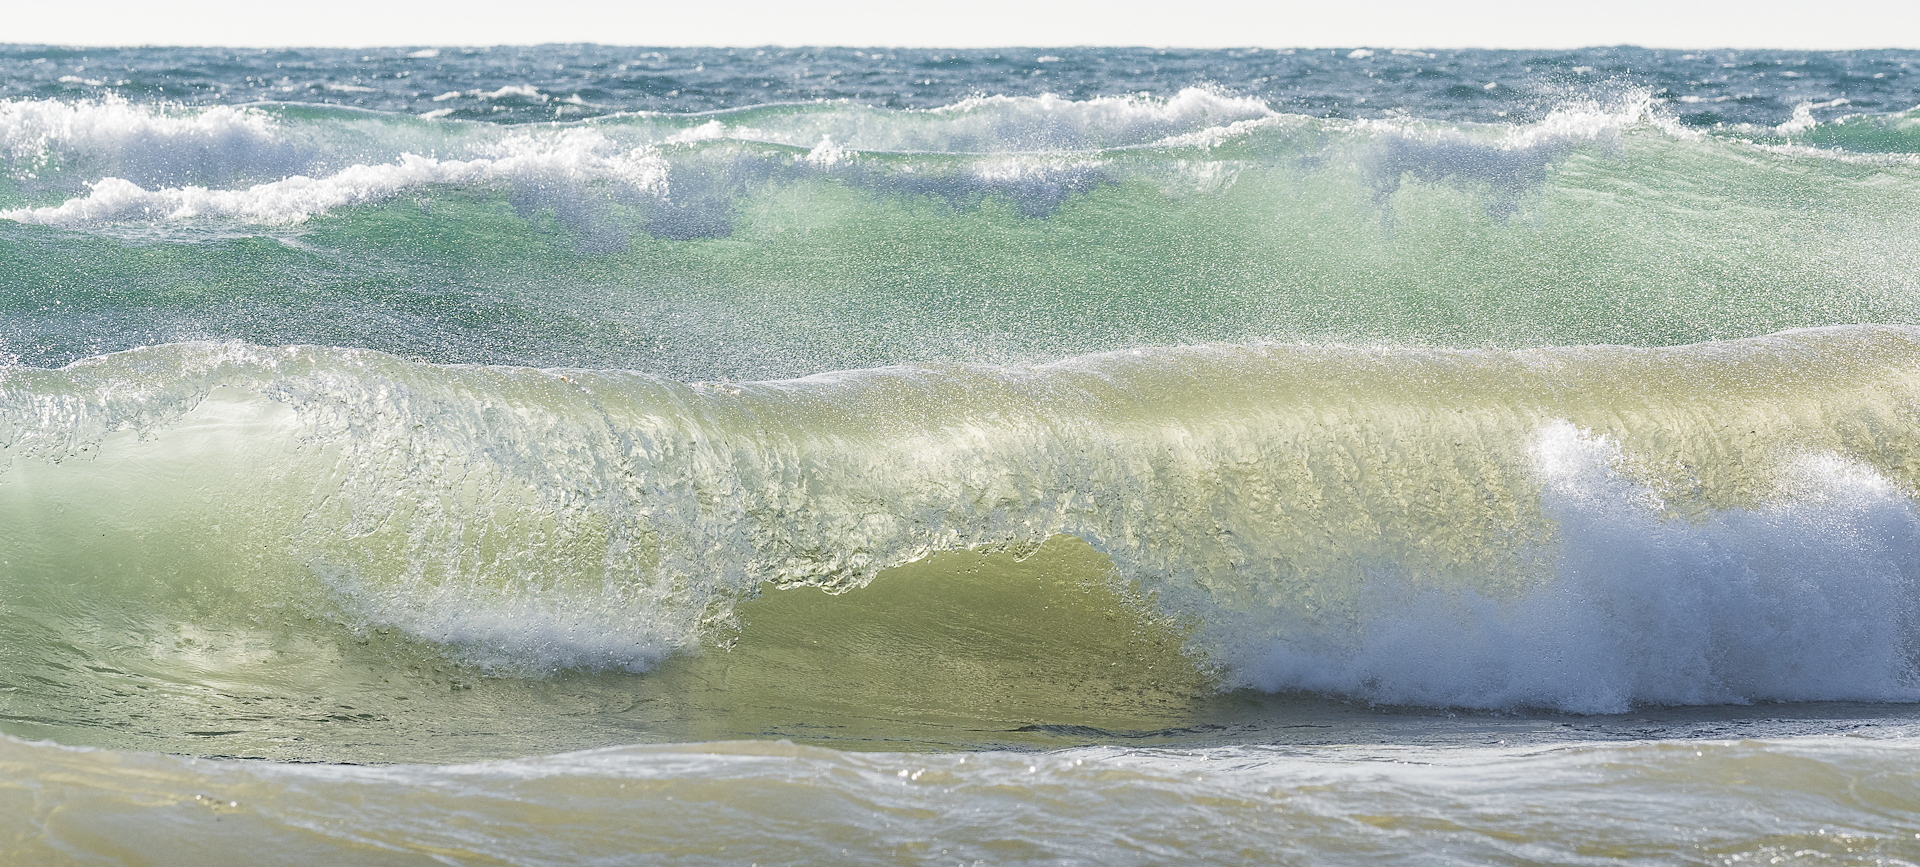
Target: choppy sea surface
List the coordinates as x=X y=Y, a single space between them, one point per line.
x=579 y=454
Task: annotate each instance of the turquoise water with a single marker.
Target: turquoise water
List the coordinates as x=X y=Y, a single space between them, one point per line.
x=1087 y=456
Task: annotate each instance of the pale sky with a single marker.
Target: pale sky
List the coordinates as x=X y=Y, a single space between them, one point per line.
x=982 y=23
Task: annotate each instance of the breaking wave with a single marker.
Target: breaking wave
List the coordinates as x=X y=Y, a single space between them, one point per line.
x=1578 y=528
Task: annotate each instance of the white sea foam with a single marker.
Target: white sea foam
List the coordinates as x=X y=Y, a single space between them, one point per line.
x=989 y=124
x=714 y=130
x=121 y=163
x=1802 y=119
x=124 y=163
x=145 y=141
x=826 y=153
x=1214 y=136
x=1052 y=123
x=1511 y=160
x=512 y=91
x=30 y=127
x=575 y=153
x=1811 y=598
x=524 y=630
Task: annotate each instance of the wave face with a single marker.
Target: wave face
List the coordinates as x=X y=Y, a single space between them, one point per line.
x=653 y=405
x=1583 y=529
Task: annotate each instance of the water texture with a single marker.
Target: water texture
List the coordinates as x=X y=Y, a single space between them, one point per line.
x=1059 y=456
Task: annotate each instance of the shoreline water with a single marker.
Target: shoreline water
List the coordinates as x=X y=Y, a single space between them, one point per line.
x=773 y=802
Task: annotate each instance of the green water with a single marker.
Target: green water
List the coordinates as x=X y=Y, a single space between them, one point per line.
x=1130 y=480
x=1294 y=229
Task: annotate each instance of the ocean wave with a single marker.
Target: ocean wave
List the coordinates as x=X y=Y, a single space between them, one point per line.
x=1584 y=528
x=29 y=129
x=145 y=163
x=1509 y=161
x=600 y=244
x=536 y=163
x=1808 y=598
x=57 y=144
x=110 y=163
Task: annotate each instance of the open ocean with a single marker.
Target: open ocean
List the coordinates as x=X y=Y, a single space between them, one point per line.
x=589 y=455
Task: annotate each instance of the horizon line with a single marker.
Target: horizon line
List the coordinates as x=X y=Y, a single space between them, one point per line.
x=927 y=47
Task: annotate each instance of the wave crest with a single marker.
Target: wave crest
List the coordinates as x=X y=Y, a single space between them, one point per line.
x=1581 y=528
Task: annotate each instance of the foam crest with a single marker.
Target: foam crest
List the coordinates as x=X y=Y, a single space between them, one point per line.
x=1214 y=136
x=987 y=124
x=576 y=154
x=1811 y=597
x=46 y=139
x=1511 y=161
x=31 y=128
x=1802 y=119
x=1052 y=123
x=1585 y=119
x=1860 y=138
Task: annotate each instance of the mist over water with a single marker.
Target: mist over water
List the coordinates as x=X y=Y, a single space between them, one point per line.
x=1137 y=446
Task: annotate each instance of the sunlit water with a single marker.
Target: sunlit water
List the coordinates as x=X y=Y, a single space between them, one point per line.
x=578 y=454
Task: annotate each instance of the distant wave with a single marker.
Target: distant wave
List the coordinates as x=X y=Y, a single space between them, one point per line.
x=145 y=163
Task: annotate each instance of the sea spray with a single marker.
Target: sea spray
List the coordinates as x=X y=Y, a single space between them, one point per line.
x=1006 y=230
x=550 y=519
x=1107 y=455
